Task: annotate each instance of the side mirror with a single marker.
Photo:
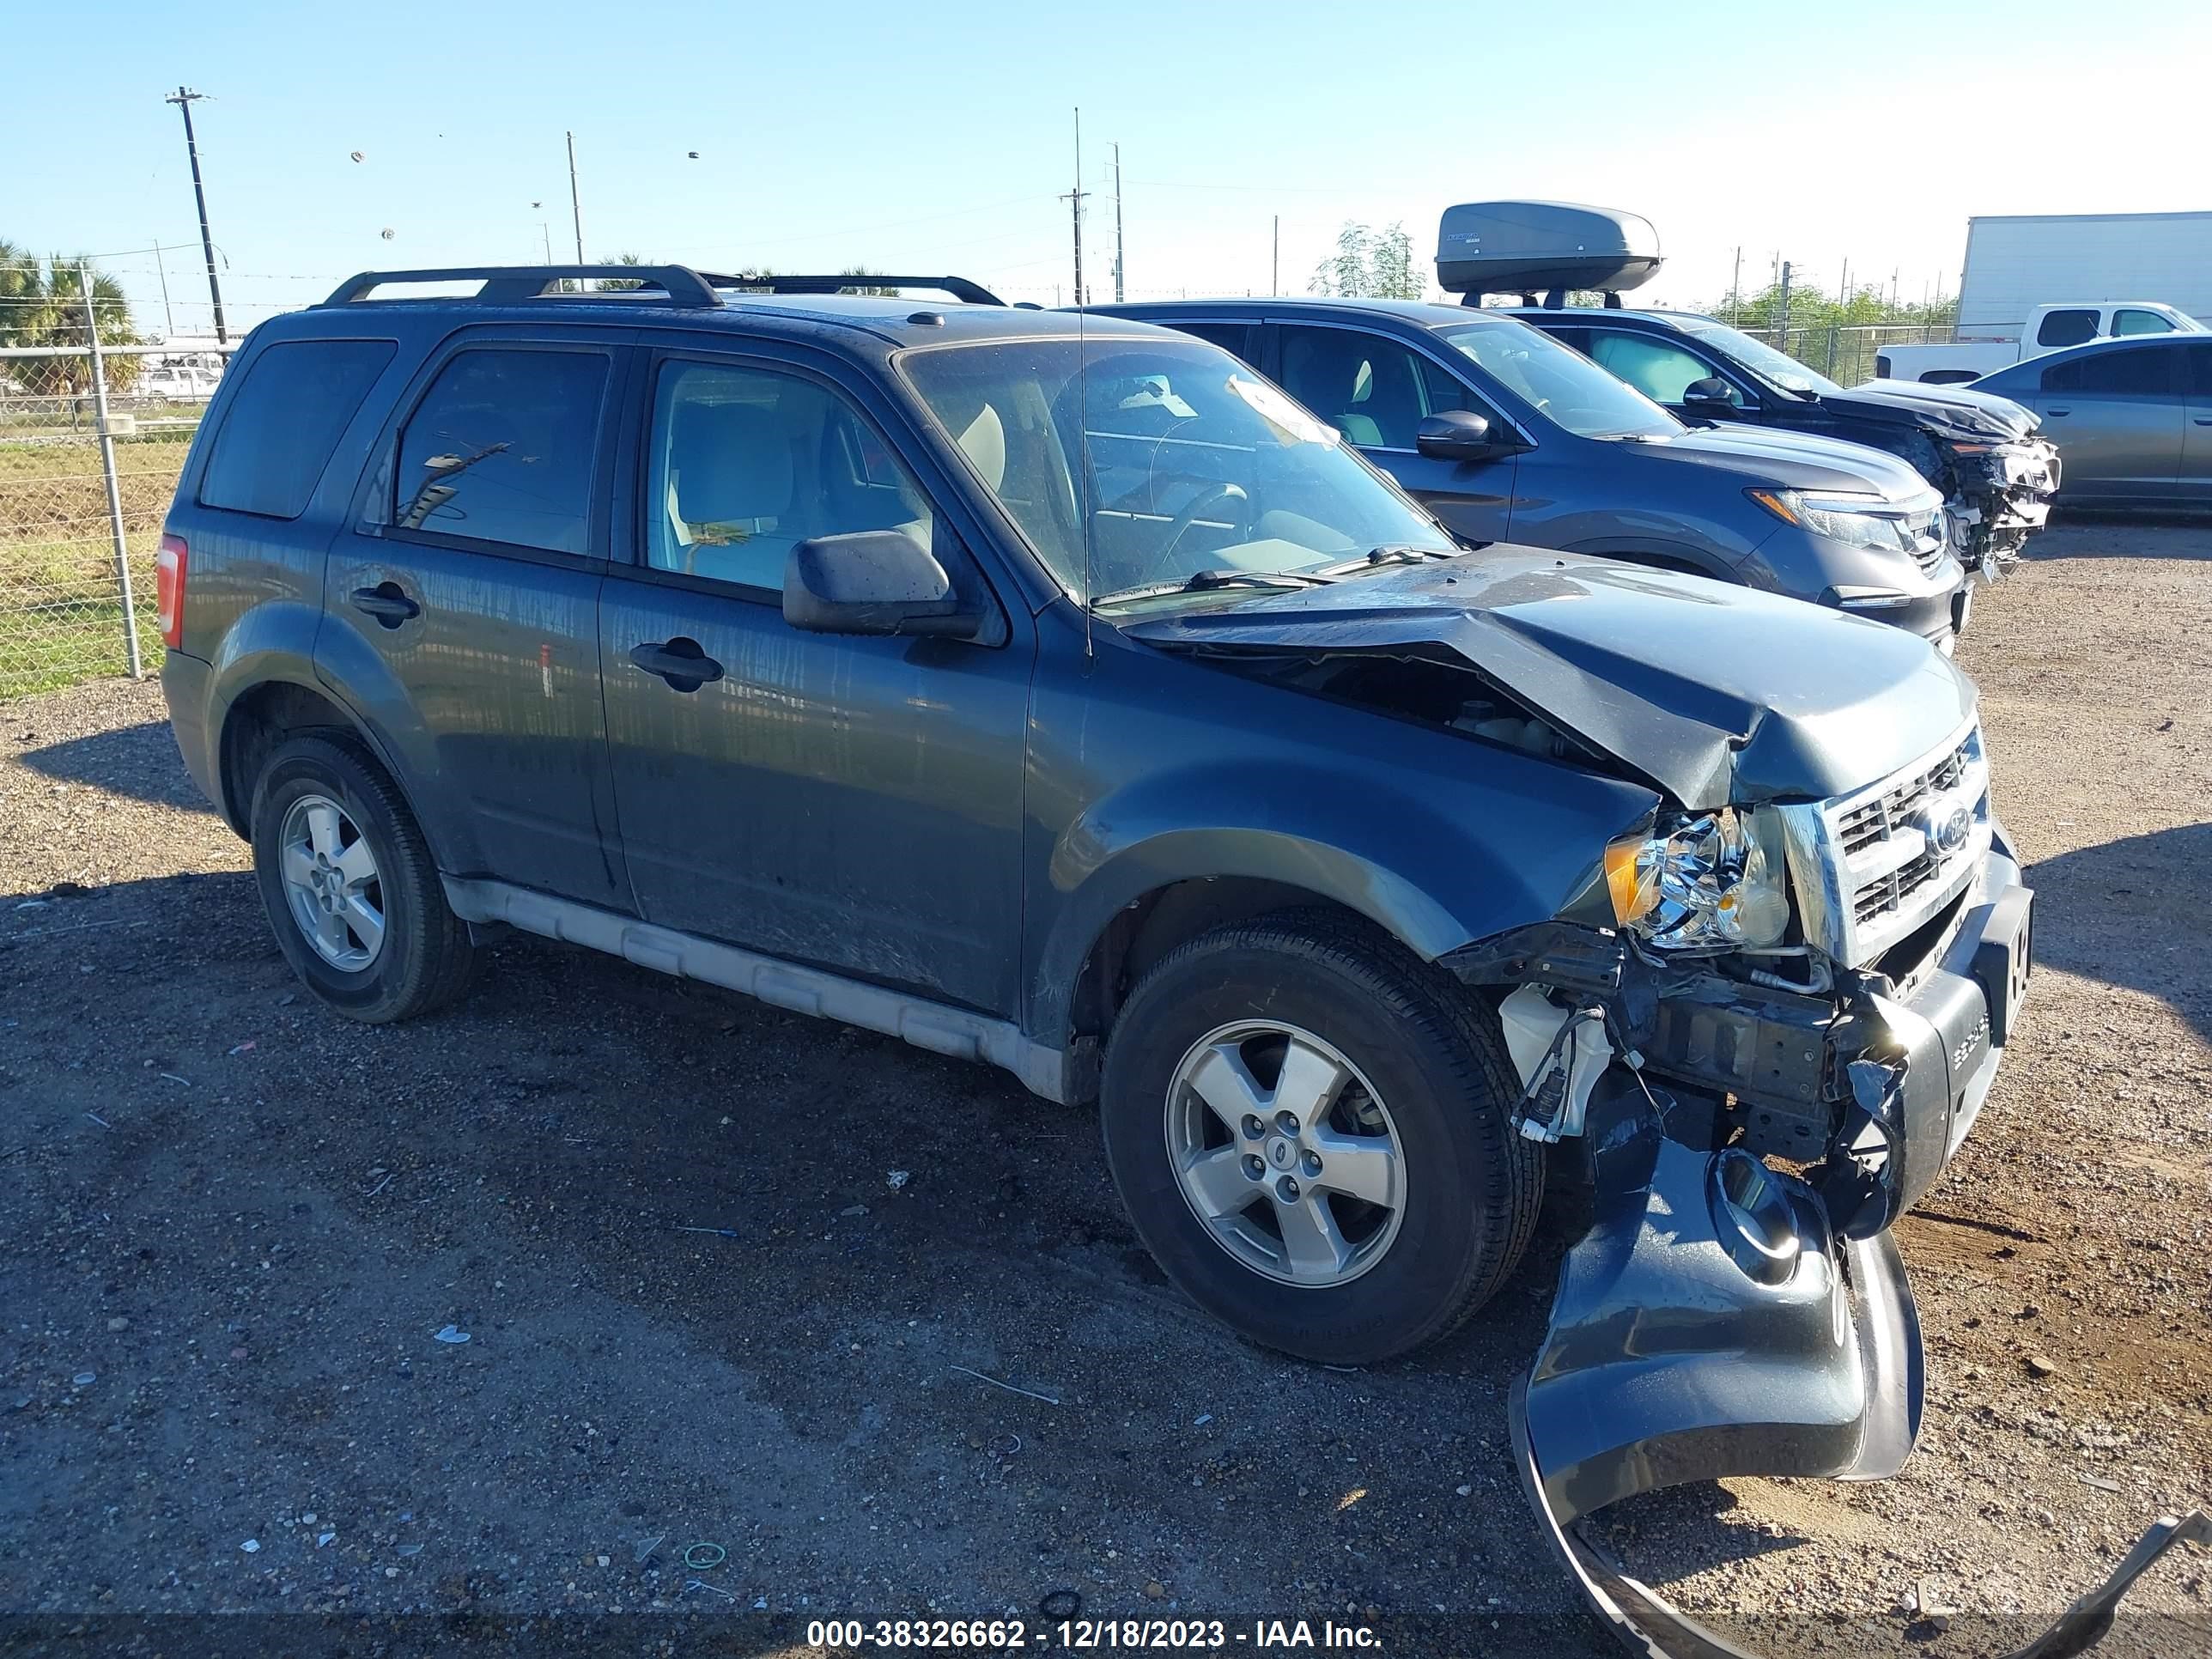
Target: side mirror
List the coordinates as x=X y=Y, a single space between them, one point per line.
x=1712 y=392
x=871 y=581
x=1456 y=435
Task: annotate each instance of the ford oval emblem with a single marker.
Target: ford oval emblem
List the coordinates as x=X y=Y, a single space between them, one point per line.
x=1949 y=828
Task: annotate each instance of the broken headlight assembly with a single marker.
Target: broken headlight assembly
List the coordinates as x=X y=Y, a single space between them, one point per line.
x=1700 y=884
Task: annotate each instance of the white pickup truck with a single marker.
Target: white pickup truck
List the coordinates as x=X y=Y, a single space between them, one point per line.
x=2049 y=327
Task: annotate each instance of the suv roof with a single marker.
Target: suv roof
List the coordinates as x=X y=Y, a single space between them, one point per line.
x=675 y=296
x=1427 y=313
x=1613 y=313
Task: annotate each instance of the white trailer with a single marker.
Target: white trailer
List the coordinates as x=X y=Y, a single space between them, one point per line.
x=2104 y=271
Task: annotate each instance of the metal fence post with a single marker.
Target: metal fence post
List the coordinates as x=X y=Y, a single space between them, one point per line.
x=107 y=472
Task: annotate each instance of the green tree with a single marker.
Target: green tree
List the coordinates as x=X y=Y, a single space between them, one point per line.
x=43 y=305
x=865 y=288
x=621 y=284
x=1370 y=264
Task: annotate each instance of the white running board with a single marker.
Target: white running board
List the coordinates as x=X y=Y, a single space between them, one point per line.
x=931 y=1025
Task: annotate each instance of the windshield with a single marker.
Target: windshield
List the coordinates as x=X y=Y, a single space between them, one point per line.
x=1758 y=357
x=1558 y=383
x=1160 y=460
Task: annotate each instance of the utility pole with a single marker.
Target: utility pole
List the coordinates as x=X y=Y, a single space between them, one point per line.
x=575 y=202
x=1117 y=223
x=1735 y=288
x=1074 y=200
x=1782 y=311
x=1275 y=261
x=183 y=98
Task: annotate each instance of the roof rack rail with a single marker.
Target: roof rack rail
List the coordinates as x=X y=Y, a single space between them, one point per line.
x=505 y=284
x=959 y=287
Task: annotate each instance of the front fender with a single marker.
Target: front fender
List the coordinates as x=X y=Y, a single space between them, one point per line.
x=1436 y=868
x=1648 y=549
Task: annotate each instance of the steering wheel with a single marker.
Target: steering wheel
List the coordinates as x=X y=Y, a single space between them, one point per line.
x=1216 y=496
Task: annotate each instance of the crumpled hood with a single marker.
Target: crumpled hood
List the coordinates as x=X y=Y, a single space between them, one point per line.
x=1718 y=694
x=1770 y=458
x=1949 y=412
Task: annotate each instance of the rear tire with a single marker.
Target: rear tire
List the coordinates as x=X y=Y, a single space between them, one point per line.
x=351 y=887
x=1266 y=1230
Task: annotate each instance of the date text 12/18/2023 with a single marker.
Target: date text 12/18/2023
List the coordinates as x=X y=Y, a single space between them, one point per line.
x=1009 y=1635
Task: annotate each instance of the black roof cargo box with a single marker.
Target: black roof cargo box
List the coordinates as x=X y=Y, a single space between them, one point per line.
x=1520 y=247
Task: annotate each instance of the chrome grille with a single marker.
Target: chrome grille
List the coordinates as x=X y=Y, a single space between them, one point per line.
x=1872 y=865
x=1923 y=536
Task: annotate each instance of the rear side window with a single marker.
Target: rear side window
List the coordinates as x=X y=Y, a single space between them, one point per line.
x=2143 y=372
x=1235 y=338
x=284 y=420
x=2066 y=328
x=503 y=448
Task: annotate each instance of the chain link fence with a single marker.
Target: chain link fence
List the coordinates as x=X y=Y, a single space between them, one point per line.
x=79 y=515
x=1845 y=353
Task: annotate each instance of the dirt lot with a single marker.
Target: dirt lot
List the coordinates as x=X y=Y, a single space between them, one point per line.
x=230 y=1225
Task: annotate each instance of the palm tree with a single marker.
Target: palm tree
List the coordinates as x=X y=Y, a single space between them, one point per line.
x=45 y=306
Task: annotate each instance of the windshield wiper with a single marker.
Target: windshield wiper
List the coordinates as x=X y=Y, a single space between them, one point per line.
x=1389 y=553
x=1201 y=581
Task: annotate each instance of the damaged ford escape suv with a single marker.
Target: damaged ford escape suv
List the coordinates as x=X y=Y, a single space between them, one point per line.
x=1052 y=691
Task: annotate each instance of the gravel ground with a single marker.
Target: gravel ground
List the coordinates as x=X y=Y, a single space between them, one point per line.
x=230 y=1225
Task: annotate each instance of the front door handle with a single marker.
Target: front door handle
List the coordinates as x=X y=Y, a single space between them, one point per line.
x=2202 y=420
x=2059 y=411
x=679 y=661
x=386 y=603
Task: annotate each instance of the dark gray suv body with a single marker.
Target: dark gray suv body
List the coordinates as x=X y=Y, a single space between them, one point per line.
x=1570 y=458
x=1052 y=691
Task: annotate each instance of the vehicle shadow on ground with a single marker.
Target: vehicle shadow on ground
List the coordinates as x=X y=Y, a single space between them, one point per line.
x=138 y=761
x=2107 y=913
x=2079 y=532
x=872 y=1244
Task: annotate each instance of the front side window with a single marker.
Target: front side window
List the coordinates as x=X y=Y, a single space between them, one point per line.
x=1660 y=371
x=1563 y=386
x=2143 y=372
x=1130 y=461
x=2200 y=374
x=285 y=420
x=2134 y=320
x=1778 y=368
x=2070 y=326
x=1371 y=389
x=747 y=463
x=503 y=448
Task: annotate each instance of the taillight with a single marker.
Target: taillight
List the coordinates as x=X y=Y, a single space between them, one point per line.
x=169 y=591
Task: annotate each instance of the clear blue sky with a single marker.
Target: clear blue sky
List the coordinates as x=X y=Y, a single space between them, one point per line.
x=939 y=137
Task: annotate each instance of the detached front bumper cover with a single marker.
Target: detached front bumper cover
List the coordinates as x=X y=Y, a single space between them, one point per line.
x=1709 y=1324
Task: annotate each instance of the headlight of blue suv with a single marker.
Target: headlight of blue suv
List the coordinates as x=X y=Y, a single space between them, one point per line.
x=1855 y=520
x=1700 y=884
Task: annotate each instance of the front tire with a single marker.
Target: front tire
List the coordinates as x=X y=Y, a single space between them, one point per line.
x=1309 y=1127
x=351 y=887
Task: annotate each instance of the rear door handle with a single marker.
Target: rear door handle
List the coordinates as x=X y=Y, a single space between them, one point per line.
x=386 y=603
x=679 y=661
x=2202 y=420
x=2061 y=411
